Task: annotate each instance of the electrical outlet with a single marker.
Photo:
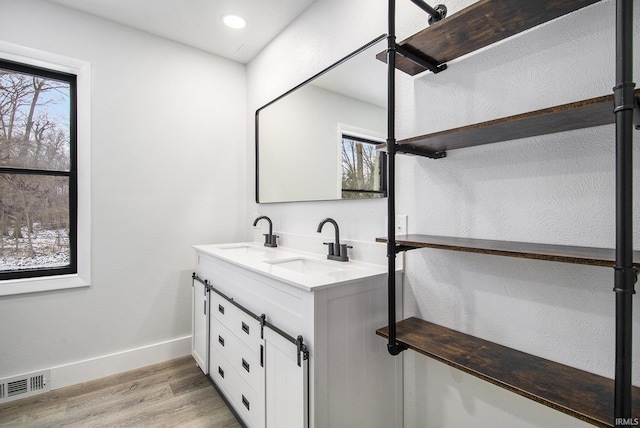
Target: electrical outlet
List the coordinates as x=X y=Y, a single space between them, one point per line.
x=401 y=224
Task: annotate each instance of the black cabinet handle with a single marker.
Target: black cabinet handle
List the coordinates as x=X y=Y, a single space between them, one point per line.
x=245 y=402
x=245 y=328
x=245 y=365
x=221 y=309
x=221 y=372
x=221 y=340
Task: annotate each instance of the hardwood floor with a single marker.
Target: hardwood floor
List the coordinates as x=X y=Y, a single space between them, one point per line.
x=171 y=394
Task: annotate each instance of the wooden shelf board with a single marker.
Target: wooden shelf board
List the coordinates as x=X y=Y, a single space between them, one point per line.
x=581 y=394
x=577 y=115
x=549 y=252
x=479 y=25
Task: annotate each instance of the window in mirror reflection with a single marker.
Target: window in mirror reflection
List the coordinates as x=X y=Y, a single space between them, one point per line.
x=363 y=168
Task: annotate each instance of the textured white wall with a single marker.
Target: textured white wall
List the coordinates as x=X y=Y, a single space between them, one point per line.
x=551 y=189
x=168 y=133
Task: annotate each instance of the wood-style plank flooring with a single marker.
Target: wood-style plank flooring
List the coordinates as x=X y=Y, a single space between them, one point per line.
x=171 y=394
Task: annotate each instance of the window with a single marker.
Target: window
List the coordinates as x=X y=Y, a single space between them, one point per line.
x=44 y=171
x=363 y=168
x=38 y=173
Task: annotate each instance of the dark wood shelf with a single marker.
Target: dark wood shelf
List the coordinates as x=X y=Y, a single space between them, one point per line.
x=481 y=24
x=555 y=253
x=577 y=115
x=581 y=394
x=567 y=117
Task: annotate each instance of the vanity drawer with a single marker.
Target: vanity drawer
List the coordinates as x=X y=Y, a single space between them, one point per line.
x=246 y=361
x=243 y=325
x=249 y=404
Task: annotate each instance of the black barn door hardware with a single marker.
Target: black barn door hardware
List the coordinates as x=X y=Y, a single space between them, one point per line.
x=302 y=349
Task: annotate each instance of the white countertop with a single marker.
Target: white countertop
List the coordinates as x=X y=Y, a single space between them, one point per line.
x=301 y=269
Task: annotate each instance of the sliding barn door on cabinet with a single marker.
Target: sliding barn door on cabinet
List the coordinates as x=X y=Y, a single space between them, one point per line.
x=287 y=392
x=200 y=327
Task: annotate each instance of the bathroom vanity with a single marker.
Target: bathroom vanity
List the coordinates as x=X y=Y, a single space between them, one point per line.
x=291 y=337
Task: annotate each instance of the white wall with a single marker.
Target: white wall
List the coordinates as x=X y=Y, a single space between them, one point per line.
x=167 y=141
x=551 y=189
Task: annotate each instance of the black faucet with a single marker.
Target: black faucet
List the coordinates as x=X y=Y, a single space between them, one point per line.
x=269 y=238
x=337 y=251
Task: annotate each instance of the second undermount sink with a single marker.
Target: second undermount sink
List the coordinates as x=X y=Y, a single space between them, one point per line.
x=306 y=265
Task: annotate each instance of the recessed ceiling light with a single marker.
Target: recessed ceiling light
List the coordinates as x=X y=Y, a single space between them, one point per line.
x=234 y=21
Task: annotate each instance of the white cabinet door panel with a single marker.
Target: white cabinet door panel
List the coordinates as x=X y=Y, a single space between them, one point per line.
x=200 y=327
x=286 y=383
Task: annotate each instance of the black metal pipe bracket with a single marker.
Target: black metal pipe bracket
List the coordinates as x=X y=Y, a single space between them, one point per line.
x=435 y=13
x=402 y=248
x=418 y=151
x=623 y=96
x=625 y=275
x=396 y=348
x=420 y=60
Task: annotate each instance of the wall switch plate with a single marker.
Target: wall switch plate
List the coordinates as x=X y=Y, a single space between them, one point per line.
x=401 y=224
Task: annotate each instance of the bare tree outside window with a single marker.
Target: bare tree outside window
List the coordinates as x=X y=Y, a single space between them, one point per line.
x=362 y=169
x=37 y=189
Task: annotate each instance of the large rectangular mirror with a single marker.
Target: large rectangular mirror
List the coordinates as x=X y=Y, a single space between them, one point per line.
x=319 y=141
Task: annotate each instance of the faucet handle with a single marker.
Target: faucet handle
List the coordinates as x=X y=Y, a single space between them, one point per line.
x=331 y=249
x=343 y=252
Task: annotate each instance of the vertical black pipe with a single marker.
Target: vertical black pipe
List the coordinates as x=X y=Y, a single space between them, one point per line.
x=391 y=196
x=624 y=271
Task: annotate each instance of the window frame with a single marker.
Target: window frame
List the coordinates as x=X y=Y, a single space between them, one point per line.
x=78 y=274
x=71 y=174
x=372 y=140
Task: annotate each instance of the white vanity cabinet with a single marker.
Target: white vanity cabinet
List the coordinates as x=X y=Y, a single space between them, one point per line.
x=260 y=314
x=200 y=324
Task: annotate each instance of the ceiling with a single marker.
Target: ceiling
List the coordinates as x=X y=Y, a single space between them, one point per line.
x=198 y=23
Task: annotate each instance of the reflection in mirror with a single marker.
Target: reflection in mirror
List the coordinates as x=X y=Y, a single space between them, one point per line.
x=363 y=168
x=319 y=140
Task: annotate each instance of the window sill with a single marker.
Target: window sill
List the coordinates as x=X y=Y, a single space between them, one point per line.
x=34 y=285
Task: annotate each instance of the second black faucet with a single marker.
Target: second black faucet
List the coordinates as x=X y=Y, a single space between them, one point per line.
x=336 y=251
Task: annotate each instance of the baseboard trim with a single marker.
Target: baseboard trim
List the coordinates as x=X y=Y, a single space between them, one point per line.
x=106 y=365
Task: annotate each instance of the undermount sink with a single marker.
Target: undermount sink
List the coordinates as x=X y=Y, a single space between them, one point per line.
x=307 y=265
x=242 y=249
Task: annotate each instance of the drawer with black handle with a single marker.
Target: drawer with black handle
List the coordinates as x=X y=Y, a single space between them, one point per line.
x=242 y=324
x=248 y=362
x=249 y=404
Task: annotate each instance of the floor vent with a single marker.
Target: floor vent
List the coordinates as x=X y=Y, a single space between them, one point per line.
x=24 y=386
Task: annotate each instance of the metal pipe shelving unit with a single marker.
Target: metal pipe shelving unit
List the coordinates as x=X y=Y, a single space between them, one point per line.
x=626 y=106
